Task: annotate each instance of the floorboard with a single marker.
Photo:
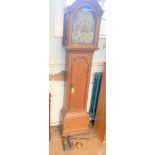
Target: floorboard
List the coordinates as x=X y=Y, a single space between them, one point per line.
x=91 y=146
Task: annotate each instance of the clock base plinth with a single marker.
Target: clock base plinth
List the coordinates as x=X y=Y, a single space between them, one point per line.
x=75 y=123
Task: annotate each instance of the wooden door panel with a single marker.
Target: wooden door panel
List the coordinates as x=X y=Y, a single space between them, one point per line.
x=100 y=120
x=79 y=75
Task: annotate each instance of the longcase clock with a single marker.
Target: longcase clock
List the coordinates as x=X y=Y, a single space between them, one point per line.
x=80 y=39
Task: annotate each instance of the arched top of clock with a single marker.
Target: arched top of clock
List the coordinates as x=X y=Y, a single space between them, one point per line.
x=80 y=3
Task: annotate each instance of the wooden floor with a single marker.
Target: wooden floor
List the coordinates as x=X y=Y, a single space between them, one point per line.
x=91 y=146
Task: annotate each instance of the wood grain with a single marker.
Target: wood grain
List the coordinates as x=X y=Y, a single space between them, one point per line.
x=79 y=77
x=76 y=119
x=92 y=145
x=100 y=120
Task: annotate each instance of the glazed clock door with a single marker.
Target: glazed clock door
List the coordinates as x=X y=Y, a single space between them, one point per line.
x=84 y=26
x=79 y=74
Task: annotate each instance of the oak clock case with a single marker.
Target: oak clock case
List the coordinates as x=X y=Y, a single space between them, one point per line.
x=80 y=38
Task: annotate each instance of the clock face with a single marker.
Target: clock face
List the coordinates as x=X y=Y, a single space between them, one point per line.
x=84 y=26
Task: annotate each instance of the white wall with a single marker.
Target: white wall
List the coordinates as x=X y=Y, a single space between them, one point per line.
x=57 y=60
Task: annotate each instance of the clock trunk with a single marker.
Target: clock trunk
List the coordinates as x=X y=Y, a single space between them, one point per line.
x=74 y=113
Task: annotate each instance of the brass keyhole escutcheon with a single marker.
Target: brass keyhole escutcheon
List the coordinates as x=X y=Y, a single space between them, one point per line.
x=72 y=89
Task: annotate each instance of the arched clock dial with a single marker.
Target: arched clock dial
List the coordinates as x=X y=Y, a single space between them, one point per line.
x=83 y=26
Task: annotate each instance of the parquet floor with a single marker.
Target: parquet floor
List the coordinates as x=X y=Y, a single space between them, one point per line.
x=91 y=146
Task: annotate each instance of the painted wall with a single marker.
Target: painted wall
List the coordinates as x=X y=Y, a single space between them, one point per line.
x=57 y=60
